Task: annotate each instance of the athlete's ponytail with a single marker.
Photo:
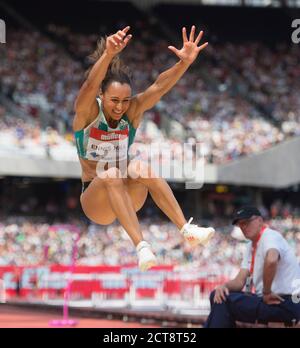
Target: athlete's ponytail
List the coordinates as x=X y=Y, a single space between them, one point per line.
x=117 y=70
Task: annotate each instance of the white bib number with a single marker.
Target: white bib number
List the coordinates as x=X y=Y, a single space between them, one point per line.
x=107 y=146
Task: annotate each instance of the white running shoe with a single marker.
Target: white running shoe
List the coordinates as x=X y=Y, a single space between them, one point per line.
x=146 y=258
x=197 y=235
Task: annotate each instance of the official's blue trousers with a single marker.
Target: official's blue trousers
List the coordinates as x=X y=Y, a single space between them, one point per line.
x=250 y=308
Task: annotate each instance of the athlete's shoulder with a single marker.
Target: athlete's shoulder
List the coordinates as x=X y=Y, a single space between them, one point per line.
x=83 y=119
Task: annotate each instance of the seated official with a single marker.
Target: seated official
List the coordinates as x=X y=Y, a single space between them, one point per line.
x=269 y=271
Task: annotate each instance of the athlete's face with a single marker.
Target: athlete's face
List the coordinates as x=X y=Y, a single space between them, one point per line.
x=116 y=100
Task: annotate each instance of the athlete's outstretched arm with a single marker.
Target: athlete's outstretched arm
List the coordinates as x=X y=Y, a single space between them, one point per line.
x=166 y=80
x=85 y=104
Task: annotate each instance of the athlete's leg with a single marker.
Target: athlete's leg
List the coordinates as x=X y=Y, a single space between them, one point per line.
x=119 y=201
x=109 y=194
x=160 y=191
x=95 y=203
x=138 y=193
x=163 y=197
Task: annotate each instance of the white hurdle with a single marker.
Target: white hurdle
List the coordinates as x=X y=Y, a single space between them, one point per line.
x=2 y=291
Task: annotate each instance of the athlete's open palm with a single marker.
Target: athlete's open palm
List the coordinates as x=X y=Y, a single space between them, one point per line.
x=190 y=48
x=115 y=43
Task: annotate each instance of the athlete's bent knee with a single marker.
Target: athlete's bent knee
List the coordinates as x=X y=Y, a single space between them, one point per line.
x=112 y=176
x=139 y=169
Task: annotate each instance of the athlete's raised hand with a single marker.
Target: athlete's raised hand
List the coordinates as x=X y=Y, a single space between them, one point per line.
x=115 y=43
x=190 y=48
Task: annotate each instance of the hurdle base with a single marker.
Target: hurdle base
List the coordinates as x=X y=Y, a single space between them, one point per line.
x=63 y=322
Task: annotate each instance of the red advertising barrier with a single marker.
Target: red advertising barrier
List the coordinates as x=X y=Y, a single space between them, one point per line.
x=113 y=281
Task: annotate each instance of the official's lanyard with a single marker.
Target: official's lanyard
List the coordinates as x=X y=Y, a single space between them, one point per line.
x=254 y=247
x=249 y=281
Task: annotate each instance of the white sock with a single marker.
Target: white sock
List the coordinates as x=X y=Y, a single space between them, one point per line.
x=183 y=227
x=142 y=244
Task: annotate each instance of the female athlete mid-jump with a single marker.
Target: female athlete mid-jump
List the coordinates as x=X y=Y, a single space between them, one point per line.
x=107 y=117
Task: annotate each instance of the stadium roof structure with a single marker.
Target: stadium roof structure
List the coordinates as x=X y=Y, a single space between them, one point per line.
x=249 y=3
x=277 y=167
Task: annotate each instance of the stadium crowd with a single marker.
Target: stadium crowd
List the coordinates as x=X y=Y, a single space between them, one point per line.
x=32 y=241
x=269 y=75
x=42 y=77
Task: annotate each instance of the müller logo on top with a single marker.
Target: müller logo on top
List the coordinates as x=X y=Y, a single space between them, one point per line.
x=99 y=134
x=112 y=136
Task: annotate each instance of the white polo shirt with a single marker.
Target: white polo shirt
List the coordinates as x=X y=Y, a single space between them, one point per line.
x=288 y=271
